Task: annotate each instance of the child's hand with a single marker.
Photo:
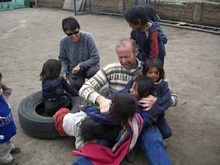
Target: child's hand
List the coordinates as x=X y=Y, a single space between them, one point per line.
x=3 y=86
x=135 y=76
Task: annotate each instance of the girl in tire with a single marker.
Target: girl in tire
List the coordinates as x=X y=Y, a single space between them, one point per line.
x=54 y=87
x=7 y=128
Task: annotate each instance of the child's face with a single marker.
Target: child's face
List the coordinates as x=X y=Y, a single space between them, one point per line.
x=134 y=90
x=135 y=27
x=153 y=73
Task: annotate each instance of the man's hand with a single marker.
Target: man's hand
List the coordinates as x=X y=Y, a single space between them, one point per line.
x=76 y=69
x=104 y=104
x=147 y=102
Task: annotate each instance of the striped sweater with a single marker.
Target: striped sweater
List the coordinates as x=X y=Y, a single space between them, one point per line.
x=115 y=75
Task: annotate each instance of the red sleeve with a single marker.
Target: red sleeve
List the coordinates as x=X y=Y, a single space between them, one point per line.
x=154 y=45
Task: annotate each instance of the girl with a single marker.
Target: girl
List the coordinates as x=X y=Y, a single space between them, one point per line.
x=153 y=69
x=154 y=18
x=145 y=33
x=53 y=87
x=124 y=112
x=149 y=85
x=8 y=128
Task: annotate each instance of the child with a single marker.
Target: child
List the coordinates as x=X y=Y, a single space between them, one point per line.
x=145 y=33
x=124 y=111
x=67 y=123
x=53 y=87
x=153 y=16
x=153 y=69
x=7 y=128
x=144 y=86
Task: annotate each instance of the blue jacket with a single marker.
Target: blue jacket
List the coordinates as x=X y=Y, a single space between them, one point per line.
x=7 y=125
x=162 y=92
x=150 y=43
x=54 y=89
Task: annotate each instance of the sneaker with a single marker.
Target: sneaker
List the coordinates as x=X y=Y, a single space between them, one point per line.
x=15 y=150
x=13 y=162
x=130 y=157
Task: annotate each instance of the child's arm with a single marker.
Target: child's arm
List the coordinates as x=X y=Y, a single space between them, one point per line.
x=95 y=114
x=68 y=88
x=162 y=103
x=154 y=45
x=6 y=91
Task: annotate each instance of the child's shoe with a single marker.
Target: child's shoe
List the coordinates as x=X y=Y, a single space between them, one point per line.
x=15 y=150
x=13 y=162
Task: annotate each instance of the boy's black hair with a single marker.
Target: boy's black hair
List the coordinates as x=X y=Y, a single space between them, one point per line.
x=145 y=86
x=91 y=129
x=152 y=13
x=154 y=62
x=123 y=107
x=51 y=70
x=70 y=24
x=135 y=15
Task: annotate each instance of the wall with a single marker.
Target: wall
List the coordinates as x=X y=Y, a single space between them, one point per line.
x=206 y=13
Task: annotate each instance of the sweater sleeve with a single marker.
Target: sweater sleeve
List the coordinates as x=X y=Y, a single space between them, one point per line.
x=63 y=56
x=162 y=103
x=94 y=57
x=89 y=90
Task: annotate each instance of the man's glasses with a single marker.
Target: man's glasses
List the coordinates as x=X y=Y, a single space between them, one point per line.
x=69 y=34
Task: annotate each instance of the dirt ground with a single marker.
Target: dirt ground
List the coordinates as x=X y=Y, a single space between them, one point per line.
x=28 y=37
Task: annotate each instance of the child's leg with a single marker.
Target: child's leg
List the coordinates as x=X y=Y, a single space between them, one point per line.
x=10 y=145
x=13 y=149
x=5 y=156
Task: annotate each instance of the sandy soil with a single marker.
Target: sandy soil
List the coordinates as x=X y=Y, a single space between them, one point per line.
x=28 y=37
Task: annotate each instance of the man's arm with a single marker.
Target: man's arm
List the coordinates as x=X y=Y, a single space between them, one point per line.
x=63 y=58
x=94 y=57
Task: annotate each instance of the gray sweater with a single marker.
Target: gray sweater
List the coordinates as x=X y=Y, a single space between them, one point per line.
x=83 y=52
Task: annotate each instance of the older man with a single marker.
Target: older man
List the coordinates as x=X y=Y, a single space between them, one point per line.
x=116 y=75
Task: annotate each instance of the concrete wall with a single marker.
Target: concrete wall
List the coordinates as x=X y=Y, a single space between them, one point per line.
x=199 y=12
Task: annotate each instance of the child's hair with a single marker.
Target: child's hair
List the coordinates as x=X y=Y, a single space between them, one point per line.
x=0 y=75
x=154 y=62
x=135 y=15
x=124 y=106
x=51 y=70
x=145 y=86
x=70 y=23
x=152 y=13
x=91 y=129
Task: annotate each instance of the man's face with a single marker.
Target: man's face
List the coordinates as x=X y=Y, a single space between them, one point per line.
x=73 y=35
x=126 y=56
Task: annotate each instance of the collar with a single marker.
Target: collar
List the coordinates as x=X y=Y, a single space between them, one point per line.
x=139 y=67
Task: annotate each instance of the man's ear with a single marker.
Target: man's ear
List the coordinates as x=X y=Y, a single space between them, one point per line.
x=136 y=52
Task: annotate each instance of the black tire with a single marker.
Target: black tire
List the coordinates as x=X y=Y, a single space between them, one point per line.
x=35 y=122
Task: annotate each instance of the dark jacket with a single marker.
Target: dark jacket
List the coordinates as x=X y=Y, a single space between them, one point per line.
x=54 y=89
x=150 y=43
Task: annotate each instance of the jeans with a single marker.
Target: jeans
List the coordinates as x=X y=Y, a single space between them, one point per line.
x=78 y=80
x=152 y=145
x=82 y=160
